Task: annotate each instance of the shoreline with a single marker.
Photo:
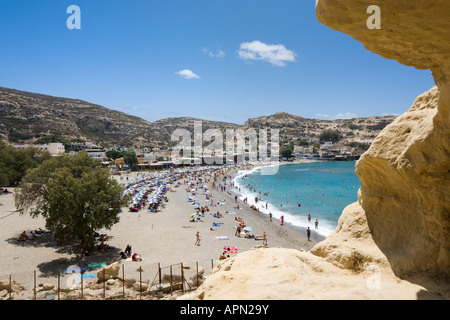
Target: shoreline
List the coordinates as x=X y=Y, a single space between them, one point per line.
x=315 y=235
x=164 y=238
x=294 y=231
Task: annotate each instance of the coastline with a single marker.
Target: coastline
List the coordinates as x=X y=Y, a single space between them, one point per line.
x=315 y=236
x=163 y=238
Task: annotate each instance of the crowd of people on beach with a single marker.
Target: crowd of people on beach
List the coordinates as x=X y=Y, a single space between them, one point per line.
x=31 y=235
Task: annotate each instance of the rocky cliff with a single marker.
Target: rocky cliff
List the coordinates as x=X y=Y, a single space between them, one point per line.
x=405 y=174
x=400 y=226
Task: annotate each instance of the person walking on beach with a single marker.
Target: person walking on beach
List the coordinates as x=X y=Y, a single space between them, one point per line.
x=270 y=216
x=264 y=239
x=197 y=242
x=309 y=217
x=317 y=224
x=238 y=231
x=308 y=233
x=282 y=220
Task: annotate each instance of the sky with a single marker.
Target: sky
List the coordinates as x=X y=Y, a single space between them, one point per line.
x=222 y=60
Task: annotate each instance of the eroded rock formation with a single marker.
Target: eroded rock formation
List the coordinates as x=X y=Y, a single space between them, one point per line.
x=405 y=174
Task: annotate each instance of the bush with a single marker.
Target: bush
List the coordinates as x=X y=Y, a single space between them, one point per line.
x=330 y=135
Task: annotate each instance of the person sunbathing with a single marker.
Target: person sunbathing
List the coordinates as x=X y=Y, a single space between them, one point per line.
x=31 y=236
x=23 y=236
x=136 y=257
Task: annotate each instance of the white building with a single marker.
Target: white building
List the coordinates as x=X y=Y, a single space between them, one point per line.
x=326 y=145
x=54 y=148
x=97 y=153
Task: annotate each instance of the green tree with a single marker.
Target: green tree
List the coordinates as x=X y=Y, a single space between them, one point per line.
x=286 y=152
x=14 y=163
x=114 y=154
x=330 y=135
x=75 y=195
x=130 y=158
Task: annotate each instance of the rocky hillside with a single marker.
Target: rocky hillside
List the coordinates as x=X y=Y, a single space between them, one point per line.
x=26 y=117
x=353 y=131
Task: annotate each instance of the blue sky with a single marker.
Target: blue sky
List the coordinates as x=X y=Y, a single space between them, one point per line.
x=223 y=60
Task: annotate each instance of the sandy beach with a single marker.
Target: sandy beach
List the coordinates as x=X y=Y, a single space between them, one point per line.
x=166 y=238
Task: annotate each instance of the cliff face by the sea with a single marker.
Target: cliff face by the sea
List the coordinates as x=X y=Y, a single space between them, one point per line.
x=405 y=175
x=400 y=225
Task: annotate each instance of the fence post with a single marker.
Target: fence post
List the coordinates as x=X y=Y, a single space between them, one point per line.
x=159 y=273
x=34 y=285
x=104 y=284
x=10 y=287
x=182 y=278
x=140 y=283
x=81 y=276
x=171 y=287
x=197 y=274
x=59 y=288
x=123 y=280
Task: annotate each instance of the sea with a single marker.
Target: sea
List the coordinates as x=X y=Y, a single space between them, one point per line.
x=321 y=189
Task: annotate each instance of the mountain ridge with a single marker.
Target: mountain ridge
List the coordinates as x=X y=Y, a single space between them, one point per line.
x=26 y=117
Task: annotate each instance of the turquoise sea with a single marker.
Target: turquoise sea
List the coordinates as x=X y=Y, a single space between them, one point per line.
x=320 y=189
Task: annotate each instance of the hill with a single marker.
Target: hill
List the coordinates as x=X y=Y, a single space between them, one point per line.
x=26 y=117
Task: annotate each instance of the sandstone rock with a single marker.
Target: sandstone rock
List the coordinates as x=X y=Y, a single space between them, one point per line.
x=406 y=189
x=111 y=282
x=141 y=287
x=110 y=272
x=46 y=286
x=351 y=243
x=405 y=174
x=15 y=286
x=289 y=274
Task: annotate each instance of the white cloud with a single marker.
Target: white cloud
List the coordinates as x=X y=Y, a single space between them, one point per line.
x=276 y=54
x=187 y=74
x=347 y=115
x=214 y=54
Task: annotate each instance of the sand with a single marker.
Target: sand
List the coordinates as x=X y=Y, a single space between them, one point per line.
x=164 y=238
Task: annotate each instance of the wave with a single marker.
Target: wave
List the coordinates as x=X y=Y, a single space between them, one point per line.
x=295 y=219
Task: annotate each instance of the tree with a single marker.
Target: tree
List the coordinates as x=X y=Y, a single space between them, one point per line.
x=75 y=195
x=330 y=135
x=14 y=163
x=286 y=152
x=114 y=154
x=130 y=158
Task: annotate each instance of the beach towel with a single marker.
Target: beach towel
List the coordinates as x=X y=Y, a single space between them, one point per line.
x=231 y=212
x=97 y=265
x=229 y=248
x=74 y=270
x=222 y=238
x=85 y=276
